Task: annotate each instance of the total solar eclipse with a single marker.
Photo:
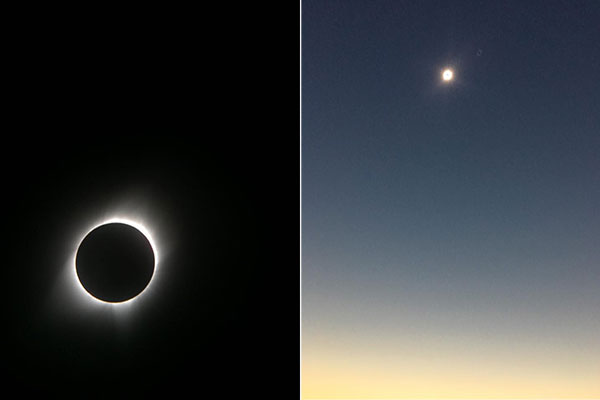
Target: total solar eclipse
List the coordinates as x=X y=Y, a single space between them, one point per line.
x=115 y=262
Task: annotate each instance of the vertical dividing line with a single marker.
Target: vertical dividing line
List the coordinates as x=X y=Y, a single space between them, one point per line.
x=300 y=216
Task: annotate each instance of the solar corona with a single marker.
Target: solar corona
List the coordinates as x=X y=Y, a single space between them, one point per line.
x=115 y=261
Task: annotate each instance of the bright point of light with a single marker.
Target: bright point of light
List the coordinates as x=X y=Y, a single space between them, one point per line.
x=447 y=75
x=135 y=224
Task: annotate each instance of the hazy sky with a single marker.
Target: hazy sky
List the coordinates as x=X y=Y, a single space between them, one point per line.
x=451 y=232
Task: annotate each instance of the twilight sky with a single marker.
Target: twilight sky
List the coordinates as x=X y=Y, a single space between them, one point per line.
x=450 y=232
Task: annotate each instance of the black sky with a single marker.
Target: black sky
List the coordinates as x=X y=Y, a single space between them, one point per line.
x=116 y=105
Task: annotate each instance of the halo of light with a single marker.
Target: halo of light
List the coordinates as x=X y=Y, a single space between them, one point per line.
x=447 y=75
x=117 y=220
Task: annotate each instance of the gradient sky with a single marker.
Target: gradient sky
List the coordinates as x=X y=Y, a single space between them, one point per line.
x=450 y=233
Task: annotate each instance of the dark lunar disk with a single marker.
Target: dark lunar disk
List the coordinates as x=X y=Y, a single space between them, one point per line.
x=115 y=262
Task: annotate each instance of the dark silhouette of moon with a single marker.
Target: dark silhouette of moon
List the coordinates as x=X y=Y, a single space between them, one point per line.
x=115 y=262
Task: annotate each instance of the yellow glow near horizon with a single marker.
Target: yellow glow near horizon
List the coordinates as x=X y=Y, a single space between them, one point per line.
x=433 y=368
x=335 y=381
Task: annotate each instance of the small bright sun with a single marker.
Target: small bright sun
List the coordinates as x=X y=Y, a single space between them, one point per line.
x=447 y=75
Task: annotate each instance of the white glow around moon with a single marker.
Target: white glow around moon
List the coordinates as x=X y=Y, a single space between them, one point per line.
x=447 y=75
x=140 y=227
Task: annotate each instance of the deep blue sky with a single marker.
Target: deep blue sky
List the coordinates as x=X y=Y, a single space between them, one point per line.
x=471 y=207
